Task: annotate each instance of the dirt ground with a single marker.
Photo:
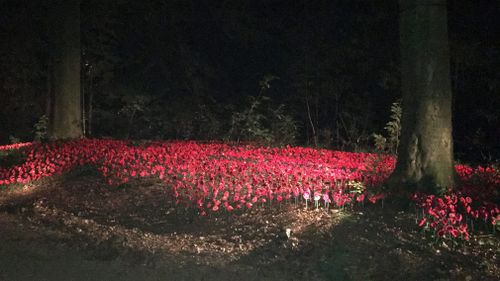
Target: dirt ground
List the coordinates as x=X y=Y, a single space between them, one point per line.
x=78 y=228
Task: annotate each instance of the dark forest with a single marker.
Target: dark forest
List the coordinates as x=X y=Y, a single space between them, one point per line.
x=323 y=73
x=250 y=140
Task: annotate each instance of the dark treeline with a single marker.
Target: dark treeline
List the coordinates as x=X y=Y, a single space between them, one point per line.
x=305 y=72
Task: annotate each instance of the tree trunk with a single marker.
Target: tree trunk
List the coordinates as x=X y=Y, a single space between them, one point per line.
x=425 y=155
x=66 y=119
x=49 y=97
x=91 y=107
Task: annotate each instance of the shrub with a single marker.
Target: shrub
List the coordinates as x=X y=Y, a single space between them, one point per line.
x=390 y=142
x=261 y=123
x=40 y=129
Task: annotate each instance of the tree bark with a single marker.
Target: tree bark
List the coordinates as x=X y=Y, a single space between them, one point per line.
x=66 y=119
x=425 y=154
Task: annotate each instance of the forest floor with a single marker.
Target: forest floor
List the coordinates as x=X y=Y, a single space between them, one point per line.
x=78 y=228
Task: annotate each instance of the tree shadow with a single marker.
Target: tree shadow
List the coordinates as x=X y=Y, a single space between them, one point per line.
x=379 y=244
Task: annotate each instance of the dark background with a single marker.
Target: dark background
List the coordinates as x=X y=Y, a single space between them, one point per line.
x=186 y=69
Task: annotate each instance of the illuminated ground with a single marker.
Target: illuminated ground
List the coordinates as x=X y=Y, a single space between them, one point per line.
x=78 y=228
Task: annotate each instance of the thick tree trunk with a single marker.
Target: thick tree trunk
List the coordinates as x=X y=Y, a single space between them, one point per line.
x=425 y=155
x=66 y=119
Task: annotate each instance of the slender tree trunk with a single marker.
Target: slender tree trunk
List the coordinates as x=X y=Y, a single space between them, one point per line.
x=313 y=129
x=425 y=154
x=49 y=98
x=91 y=107
x=67 y=118
x=336 y=116
x=83 y=106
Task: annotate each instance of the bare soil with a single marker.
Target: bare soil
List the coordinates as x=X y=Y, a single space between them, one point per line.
x=78 y=228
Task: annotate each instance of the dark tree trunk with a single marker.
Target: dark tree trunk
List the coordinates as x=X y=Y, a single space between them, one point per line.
x=49 y=97
x=91 y=107
x=65 y=29
x=425 y=155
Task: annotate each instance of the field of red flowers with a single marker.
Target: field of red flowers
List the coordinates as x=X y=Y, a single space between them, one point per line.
x=210 y=180
x=215 y=176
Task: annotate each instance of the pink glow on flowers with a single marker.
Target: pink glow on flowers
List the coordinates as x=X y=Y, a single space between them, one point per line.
x=221 y=177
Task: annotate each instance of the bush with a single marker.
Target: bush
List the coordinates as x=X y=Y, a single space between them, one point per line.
x=40 y=129
x=283 y=127
x=390 y=142
x=259 y=122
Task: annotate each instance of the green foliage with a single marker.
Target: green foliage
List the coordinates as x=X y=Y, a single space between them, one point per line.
x=265 y=83
x=40 y=129
x=186 y=117
x=380 y=142
x=356 y=186
x=355 y=135
x=390 y=142
x=248 y=124
x=258 y=121
x=13 y=139
x=208 y=121
x=132 y=106
x=283 y=127
x=14 y=157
